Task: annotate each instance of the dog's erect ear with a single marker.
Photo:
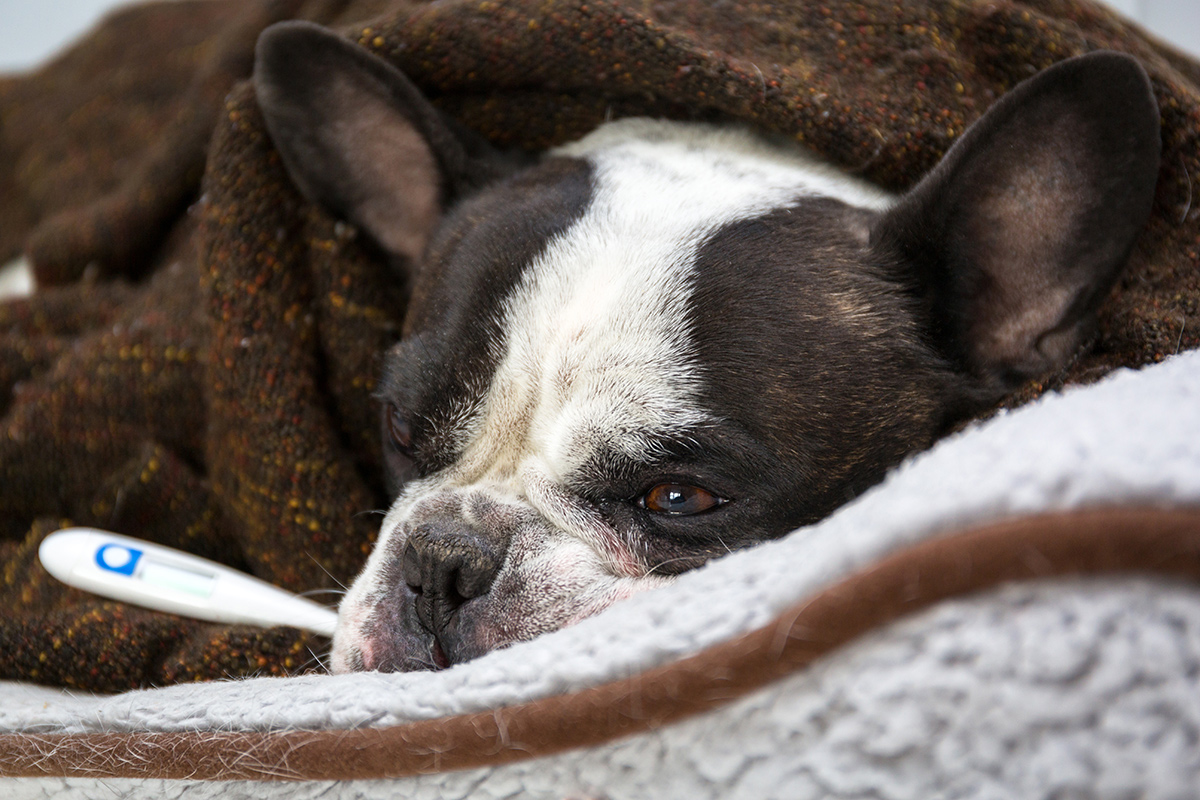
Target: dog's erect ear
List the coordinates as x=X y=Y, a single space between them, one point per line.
x=359 y=138
x=1019 y=233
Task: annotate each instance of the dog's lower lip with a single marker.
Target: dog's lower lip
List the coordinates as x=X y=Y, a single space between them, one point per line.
x=439 y=655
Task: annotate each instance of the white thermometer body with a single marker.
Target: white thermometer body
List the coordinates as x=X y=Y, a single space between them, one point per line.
x=164 y=579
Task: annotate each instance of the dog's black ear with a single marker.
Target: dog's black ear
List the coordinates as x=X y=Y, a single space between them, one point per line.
x=1019 y=233
x=358 y=138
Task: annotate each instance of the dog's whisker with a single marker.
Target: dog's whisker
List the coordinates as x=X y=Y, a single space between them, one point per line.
x=321 y=659
x=327 y=572
x=1187 y=181
x=314 y=592
x=652 y=570
x=762 y=82
x=379 y=511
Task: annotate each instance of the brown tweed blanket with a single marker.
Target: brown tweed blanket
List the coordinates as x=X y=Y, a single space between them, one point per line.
x=197 y=365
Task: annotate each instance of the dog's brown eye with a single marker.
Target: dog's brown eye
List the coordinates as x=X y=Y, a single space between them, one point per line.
x=399 y=428
x=679 y=499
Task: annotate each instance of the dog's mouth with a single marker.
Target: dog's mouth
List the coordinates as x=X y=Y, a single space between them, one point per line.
x=384 y=634
x=391 y=634
x=438 y=655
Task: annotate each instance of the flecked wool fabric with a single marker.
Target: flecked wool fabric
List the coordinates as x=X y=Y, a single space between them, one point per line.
x=197 y=366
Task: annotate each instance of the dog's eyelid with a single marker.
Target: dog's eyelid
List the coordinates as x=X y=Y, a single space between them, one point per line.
x=399 y=428
x=678 y=499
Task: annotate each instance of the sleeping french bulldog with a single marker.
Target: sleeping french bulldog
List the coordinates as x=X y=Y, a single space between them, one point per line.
x=668 y=341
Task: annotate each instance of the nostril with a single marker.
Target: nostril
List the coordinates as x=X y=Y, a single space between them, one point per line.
x=410 y=566
x=447 y=564
x=476 y=571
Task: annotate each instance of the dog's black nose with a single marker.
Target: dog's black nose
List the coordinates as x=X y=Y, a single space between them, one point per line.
x=445 y=564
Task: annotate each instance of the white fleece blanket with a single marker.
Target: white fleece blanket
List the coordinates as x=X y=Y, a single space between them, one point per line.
x=1069 y=688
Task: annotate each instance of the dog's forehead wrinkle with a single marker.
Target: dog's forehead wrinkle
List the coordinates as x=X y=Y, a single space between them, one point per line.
x=597 y=326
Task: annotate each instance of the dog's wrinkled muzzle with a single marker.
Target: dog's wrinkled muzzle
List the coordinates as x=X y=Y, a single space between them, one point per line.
x=458 y=573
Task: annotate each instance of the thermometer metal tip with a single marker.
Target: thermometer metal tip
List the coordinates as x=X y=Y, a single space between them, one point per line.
x=164 y=579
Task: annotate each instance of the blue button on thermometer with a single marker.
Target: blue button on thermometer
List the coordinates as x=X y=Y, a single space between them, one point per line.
x=163 y=579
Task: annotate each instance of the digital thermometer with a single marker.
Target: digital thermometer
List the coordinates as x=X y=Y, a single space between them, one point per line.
x=164 y=579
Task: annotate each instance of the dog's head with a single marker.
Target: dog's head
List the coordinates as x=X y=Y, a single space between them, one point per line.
x=666 y=341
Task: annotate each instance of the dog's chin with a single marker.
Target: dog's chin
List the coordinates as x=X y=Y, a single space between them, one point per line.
x=384 y=635
x=390 y=640
x=371 y=654
x=397 y=652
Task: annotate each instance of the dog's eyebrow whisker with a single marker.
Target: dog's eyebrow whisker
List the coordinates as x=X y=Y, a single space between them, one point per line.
x=420 y=342
x=380 y=511
x=655 y=568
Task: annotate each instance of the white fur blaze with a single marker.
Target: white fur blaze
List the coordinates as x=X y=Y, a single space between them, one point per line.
x=598 y=349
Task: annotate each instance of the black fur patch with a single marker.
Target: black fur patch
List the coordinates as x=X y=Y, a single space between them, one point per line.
x=812 y=362
x=453 y=336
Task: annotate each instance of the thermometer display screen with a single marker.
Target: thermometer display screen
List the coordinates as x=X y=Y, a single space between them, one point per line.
x=169 y=576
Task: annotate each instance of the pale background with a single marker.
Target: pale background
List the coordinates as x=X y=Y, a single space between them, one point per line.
x=30 y=30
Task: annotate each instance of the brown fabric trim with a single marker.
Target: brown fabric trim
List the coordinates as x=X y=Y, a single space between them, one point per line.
x=1158 y=541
